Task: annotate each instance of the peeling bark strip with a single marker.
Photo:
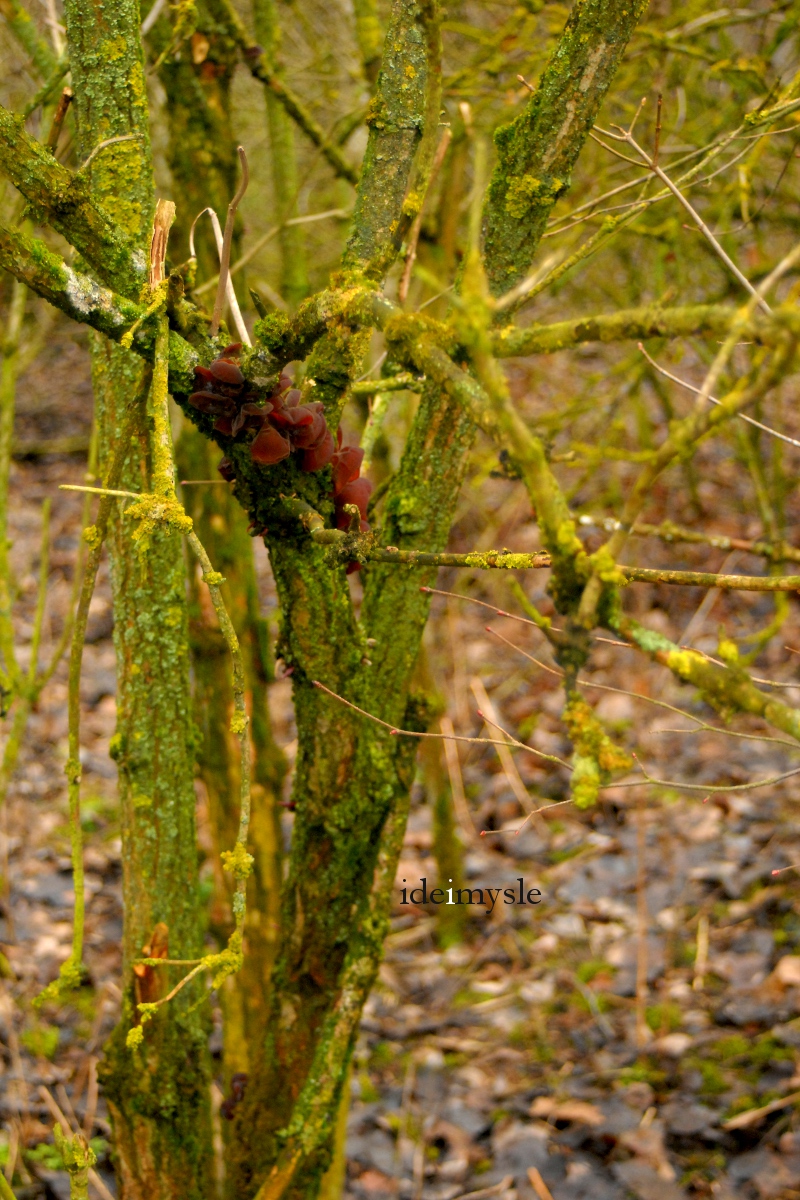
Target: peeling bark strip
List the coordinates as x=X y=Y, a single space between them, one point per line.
x=537 y=151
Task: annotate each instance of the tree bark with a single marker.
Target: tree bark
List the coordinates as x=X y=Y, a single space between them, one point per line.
x=158 y=1095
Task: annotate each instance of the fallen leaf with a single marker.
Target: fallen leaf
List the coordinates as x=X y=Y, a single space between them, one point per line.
x=581 y=1111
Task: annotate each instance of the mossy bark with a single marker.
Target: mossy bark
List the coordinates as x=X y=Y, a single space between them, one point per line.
x=221 y=526
x=537 y=151
x=398 y=118
x=158 y=1095
x=203 y=163
x=350 y=774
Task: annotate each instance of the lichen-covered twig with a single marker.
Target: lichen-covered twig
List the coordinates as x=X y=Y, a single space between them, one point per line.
x=696 y=425
x=32 y=262
x=725 y=686
x=78 y=1158
x=684 y=434
x=361 y=547
x=71 y=972
x=670 y=533
x=699 y=723
x=238 y=861
x=639 y=323
x=163 y=507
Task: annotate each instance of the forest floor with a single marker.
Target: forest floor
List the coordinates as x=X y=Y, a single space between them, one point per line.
x=521 y=1061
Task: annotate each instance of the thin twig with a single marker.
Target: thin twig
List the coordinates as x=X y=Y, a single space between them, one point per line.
x=642 y=1030
x=477 y=741
x=701 y=953
x=538 y=1184
x=486 y=711
x=754 y=1115
x=704 y=787
x=68 y=1131
x=123 y=137
x=239 y=724
x=413 y=236
x=152 y=17
x=625 y=135
x=259 y=244
x=784 y=437
x=657 y=139
x=702 y=726
x=457 y=781
x=59 y=116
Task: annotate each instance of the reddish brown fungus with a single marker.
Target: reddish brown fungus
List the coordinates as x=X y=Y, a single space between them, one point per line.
x=318 y=456
x=269 y=447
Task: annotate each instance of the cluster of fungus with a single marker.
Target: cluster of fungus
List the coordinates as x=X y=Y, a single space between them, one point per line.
x=281 y=425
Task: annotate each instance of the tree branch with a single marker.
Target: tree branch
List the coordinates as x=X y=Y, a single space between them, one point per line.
x=348 y=547
x=67 y=204
x=640 y=323
x=725 y=688
x=33 y=263
x=538 y=150
x=403 y=109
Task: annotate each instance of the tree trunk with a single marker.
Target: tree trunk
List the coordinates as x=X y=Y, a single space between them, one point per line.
x=158 y=1094
x=203 y=163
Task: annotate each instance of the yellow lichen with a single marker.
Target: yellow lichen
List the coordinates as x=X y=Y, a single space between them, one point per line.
x=684 y=662
x=239 y=722
x=113 y=48
x=237 y=861
x=605 y=568
x=91 y=535
x=135 y=1037
x=596 y=757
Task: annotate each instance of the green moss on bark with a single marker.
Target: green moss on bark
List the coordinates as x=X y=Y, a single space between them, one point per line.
x=158 y=1094
x=537 y=152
